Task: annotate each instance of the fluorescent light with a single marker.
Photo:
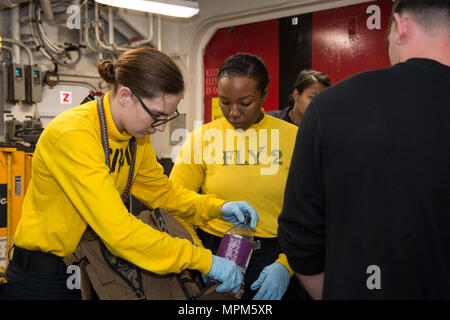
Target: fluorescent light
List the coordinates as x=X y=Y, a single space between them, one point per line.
x=174 y=8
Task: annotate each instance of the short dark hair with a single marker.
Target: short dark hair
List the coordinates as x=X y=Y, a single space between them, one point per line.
x=147 y=71
x=428 y=13
x=307 y=78
x=245 y=65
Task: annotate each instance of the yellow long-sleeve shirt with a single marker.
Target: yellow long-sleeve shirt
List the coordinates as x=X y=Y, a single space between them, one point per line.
x=250 y=165
x=71 y=188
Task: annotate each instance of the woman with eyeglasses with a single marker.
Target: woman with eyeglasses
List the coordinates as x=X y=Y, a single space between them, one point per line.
x=87 y=161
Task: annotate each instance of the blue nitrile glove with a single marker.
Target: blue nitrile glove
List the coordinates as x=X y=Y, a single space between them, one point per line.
x=227 y=272
x=235 y=212
x=273 y=280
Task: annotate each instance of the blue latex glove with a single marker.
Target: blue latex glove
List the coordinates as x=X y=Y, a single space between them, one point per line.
x=273 y=280
x=227 y=272
x=235 y=212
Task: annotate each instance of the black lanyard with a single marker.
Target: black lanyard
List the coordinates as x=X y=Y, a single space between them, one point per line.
x=105 y=143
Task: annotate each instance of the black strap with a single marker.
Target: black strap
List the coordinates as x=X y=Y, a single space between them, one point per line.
x=38 y=261
x=161 y=224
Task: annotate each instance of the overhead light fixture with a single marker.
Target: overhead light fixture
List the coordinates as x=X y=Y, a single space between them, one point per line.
x=174 y=8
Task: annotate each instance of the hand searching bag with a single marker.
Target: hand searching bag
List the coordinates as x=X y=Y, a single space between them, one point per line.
x=113 y=278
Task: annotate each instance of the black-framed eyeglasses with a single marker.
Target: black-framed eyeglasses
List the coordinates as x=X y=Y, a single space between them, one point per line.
x=158 y=121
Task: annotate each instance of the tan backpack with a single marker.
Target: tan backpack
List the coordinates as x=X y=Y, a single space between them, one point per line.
x=113 y=278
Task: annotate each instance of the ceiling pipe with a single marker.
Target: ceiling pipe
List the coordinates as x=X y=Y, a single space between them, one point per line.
x=33 y=32
x=10 y=50
x=47 y=8
x=110 y=26
x=15 y=33
x=20 y=44
x=159 y=33
x=55 y=48
x=149 y=38
x=8 y=4
x=94 y=83
x=112 y=47
x=87 y=25
x=97 y=32
x=116 y=48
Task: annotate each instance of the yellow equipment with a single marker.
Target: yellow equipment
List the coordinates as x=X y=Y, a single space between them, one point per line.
x=15 y=175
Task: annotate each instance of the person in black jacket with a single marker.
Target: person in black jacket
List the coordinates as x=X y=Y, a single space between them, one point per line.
x=306 y=86
x=366 y=211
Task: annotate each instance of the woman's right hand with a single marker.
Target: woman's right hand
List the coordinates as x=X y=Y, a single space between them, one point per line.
x=227 y=272
x=236 y=211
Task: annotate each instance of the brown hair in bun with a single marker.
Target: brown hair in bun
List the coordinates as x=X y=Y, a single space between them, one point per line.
x=146 y=71
x=106 y=71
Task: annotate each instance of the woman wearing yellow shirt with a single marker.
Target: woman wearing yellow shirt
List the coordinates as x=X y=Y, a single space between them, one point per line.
x=244 y=155
x=87 y=160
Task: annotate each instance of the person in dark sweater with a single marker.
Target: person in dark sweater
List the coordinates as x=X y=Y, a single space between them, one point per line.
x=366 y=212
x=306 y=86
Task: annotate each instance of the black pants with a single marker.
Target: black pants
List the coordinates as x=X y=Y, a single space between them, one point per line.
x=24 y=284
x=269 y=252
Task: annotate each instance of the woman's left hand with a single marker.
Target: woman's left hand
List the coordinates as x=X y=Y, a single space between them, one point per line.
x=272 y=281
